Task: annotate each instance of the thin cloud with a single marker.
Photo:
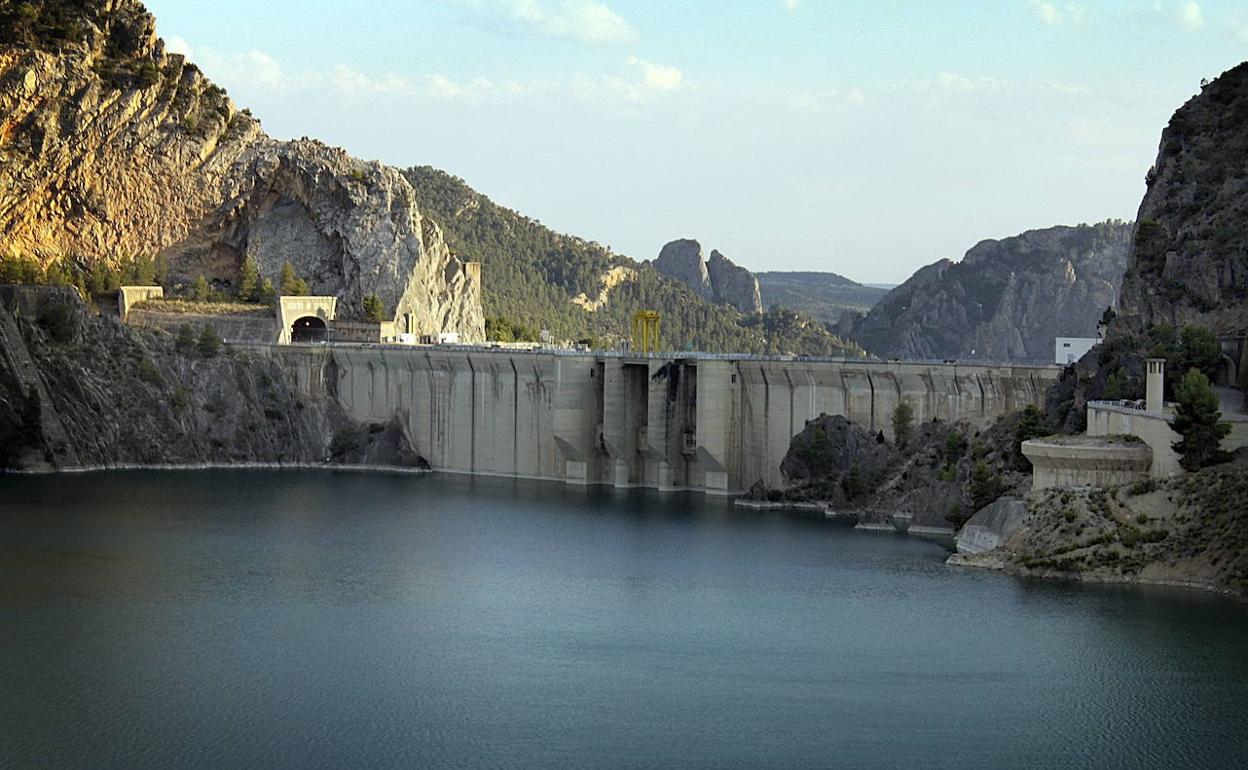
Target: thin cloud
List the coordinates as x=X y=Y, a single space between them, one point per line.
x=790 y=5
x=1190 y=16
x=642 y=81
x=657 y=77
x=586 y=21
x=1054 y=14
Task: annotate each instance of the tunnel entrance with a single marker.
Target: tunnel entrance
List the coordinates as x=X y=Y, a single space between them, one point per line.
x=308 y=329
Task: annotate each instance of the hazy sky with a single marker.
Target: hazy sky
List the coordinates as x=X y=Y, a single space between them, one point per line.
x=867 y=138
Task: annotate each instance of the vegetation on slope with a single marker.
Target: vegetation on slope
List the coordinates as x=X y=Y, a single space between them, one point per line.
x=823 y=295
x=1192 y=529
x=531 y=274
x=939 y=472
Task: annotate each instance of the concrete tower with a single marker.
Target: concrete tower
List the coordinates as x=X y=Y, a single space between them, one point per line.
x=1155 y=387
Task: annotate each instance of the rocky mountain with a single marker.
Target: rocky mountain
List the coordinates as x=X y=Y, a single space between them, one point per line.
x=110 y=146
x=718 y=279
x=826 y=296
x=1189 y=261
x=1005 y=301
x=577 y=289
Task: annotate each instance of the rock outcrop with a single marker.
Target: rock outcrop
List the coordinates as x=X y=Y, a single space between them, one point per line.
x=1005 y=301
x=1190 y=530
x=718 y=280
x=1189 y=261
x=83 y=390
x=110 y=147
x=682 y=259
x=734 y=284
x=943 y=473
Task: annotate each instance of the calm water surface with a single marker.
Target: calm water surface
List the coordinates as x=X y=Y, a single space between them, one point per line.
x=264 y=619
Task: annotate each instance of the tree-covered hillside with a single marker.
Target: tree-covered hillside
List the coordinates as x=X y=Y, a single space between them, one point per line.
x=531 y=276
x=824 y=295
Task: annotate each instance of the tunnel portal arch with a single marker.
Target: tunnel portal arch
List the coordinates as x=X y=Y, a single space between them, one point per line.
x=309 y=328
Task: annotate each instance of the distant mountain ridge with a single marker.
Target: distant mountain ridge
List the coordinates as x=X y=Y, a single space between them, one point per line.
x=824 y=295
x=1005 y=301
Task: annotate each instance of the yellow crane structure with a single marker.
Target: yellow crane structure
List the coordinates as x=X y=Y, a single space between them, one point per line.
x=645 y=331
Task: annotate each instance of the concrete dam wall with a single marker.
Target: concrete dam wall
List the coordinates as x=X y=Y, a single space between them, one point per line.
x=712 y=423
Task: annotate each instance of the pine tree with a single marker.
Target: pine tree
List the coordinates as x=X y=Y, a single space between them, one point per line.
x=249 y=280
x=903 y=419
x=374 y=310
x=1198 y=421
x=185 y=340
x=290 y=283
x=267 y=293
x=200 y=290
x=985 y=487
x=209 y=343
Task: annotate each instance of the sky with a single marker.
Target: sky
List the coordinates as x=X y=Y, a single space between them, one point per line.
x=864 y=138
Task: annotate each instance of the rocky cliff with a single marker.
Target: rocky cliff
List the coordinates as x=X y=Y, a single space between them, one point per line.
x=718 y=279
x=110 y=146
x=1189 y=261
x=82 y=390
x=1005 y=301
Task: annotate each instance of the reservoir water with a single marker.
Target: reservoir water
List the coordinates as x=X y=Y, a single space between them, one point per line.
x=311 y=619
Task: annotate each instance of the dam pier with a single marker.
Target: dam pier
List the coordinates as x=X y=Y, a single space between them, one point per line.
x=667 y=421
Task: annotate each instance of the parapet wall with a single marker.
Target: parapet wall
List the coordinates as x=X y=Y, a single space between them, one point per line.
x=714 y=423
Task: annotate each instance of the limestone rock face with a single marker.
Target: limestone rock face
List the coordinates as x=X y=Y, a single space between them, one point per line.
x=734 y=284
x=1005 y=301
x=719 y=279
x=682 y=259
x=99 y=166
x=1189 y=259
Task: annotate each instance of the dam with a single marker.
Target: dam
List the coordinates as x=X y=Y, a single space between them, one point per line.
x=668 y=421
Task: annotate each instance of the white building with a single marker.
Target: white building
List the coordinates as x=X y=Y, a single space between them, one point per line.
x=1068 y=350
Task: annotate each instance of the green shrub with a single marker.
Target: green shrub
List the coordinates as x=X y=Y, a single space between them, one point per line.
x=955 y=448
x=148 y=373
x=1142 y=487
x=208 y=344
x=984 y=486
x=184 y=342
x=852 y=483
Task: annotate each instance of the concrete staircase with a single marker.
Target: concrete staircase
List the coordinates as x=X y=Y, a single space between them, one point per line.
x=14 y=353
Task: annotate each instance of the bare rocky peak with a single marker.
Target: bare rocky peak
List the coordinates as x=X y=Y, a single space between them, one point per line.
x=1189 y=259
x=1005 y=301
x=734 y=284
x=109 y=146
x=718 y=280
x=682 y=259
